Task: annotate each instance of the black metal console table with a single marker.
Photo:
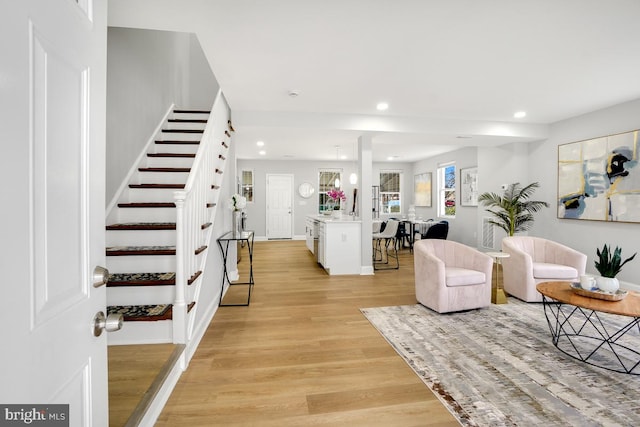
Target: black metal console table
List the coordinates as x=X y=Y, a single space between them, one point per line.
x=223 y=243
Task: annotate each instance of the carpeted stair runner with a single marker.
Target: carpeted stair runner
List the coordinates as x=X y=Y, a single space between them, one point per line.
x=136 y=313
x=145 y=313
x=147 y=279
x=142 y=279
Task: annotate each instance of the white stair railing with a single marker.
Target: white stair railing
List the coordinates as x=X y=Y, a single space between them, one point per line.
x=192 y=213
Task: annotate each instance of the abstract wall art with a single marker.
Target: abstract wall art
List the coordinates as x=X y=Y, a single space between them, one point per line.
x=599 y=179
x=422 y=189
x=469 y=186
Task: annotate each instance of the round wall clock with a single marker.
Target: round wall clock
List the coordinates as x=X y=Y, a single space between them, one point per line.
x=306 y=190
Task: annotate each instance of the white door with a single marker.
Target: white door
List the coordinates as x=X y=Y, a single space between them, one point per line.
x=52 y=109
x=279 y=206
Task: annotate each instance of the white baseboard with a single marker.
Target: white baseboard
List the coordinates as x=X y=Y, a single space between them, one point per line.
x=160 y=399
x=366 y=270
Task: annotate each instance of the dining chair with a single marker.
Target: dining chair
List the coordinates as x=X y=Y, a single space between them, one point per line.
x=381 y=247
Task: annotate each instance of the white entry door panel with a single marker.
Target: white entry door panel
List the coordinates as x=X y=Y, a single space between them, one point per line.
x=52 y=104
x=279 y=206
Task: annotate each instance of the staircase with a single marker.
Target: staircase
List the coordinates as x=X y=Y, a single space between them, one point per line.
x=158 y=234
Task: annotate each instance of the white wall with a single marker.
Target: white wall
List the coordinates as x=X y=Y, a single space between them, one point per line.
x=147 y=71
x=505 y=164
x=307 y=171
x=584 y=236
x=463 y=227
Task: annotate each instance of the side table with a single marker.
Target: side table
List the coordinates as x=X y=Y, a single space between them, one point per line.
x=497 y=290
x=223 y=243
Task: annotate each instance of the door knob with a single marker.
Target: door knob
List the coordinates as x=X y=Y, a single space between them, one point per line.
x=100 y=276
x=110 y=323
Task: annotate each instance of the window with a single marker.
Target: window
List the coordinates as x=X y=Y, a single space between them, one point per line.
x=328 y=179
x=247 y=185
x=390 y=200
x=447 y=190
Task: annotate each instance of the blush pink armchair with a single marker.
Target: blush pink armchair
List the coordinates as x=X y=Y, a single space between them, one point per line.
x=450 y=276
x=533 y=260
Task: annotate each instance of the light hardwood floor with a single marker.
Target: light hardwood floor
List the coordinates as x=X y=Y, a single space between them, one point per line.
x=302 y=354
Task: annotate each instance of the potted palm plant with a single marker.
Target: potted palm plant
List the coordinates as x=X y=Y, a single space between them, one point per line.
x=609 y=265
x=513 y=211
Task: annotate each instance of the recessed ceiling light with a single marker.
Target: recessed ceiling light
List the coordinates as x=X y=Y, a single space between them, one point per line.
x=520 y=114
x=382 y=106
x=343 y=157
x=260 y=143
x=262 y=152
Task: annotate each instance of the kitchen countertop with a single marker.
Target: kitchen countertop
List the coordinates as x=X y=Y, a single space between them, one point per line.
x=331 y=219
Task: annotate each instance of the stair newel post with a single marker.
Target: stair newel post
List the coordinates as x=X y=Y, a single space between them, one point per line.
x=180 y=305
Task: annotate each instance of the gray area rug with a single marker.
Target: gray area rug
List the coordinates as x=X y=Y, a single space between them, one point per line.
x=498 y=367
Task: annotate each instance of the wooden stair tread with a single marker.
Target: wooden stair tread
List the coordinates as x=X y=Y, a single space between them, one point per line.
x=183 y=130
x=194 y=277
x=142 y=226
x=176 y=142
x=142 y=279
x=192 y=111
x=140 y=250
x=189 y=155
x=156 y=185
x=145 y=313
x=187 y=121
x=147 y=205
x=164 y=169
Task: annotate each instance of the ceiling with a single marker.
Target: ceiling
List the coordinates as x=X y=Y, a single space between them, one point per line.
x=452 y=71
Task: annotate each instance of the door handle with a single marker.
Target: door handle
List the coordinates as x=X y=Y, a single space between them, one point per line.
x=100 y=276
x=110 y=323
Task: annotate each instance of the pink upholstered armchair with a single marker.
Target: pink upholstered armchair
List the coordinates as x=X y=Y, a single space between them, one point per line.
x=533 y=260
x=450 y=276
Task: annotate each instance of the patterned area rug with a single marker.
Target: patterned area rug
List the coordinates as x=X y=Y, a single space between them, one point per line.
x=497 y=367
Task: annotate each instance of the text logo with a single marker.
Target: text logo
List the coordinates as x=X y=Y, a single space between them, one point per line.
x=34 y=415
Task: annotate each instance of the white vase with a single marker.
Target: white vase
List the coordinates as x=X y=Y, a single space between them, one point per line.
x=607 y=284
x=337 y=214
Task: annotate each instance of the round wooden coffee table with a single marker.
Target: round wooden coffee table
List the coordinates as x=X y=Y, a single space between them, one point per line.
x=581 y=330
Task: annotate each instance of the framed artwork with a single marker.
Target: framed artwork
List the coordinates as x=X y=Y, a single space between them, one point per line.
x=469 y=186
x=422 y=189
x=599 y=179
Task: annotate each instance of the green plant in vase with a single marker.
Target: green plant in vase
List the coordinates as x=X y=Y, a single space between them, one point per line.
x=609 y=265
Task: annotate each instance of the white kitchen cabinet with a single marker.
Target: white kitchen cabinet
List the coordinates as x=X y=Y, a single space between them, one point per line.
x=339 y=245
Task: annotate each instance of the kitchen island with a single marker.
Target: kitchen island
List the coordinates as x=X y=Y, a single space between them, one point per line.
x=338 y=242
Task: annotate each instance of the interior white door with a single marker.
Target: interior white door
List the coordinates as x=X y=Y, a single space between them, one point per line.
x=52 y=104
x=279 y=206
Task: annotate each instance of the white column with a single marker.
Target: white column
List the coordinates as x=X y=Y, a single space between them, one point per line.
x=365 y=174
